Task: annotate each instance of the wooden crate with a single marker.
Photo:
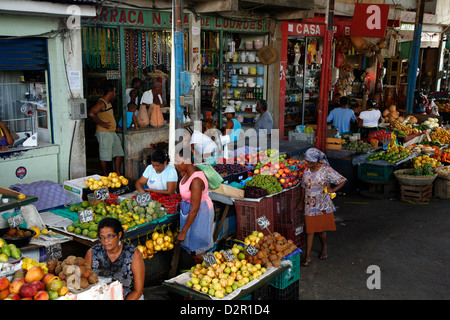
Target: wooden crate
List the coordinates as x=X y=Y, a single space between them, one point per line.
x=442 y=188
x=333 y=143
x=416 y=193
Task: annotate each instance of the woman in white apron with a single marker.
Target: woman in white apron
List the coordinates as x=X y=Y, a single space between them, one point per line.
x=159 y=177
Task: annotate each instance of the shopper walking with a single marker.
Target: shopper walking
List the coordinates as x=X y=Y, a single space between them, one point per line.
x=316 y=202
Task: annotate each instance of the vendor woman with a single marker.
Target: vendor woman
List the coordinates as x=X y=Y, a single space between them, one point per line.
x=116 y=259
x=159 y=177
x=197 y=209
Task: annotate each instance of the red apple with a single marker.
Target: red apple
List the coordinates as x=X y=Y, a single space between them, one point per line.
x=282 y=166
x=13 y=296
x=4 y=283
x=41 y=295
x=280 y=172
x=39 y=285
x=287 y=170
x=4 y=294
x=16 y=284
x=27 y=290
x=47 y=277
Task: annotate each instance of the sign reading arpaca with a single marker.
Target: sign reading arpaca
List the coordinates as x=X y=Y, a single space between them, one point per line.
x=163 y=19
x=144 y=18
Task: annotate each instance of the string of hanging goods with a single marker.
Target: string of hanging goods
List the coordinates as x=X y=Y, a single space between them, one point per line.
x=144 y=49
x=100 y=48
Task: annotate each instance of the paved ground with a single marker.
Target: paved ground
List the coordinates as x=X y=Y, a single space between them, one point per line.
x=409 y=243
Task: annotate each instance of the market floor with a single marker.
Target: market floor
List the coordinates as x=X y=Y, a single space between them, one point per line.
x=399 y=249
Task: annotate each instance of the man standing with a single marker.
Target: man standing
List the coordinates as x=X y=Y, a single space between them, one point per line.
x=110 y=146
x=342 y=116
x=265 y=120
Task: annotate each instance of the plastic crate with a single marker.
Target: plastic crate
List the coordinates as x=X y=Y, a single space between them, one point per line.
x=248 y=211
x=291 y=292
x=371 y=172
x=261 y=293
x=295 y=233
x=235 y=177
x=285 y=208
x=302 y=137
x=290 y=275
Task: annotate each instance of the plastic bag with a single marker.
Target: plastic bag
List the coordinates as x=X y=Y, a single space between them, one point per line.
x=213 y=177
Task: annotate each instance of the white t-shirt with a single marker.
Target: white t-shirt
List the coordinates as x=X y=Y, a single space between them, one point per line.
x=127 y=92
x=147 y=98
x=203 y=144
x=158 y=181
x=370 y=118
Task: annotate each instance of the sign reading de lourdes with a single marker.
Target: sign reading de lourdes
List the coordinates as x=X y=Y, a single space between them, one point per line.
x=163 y=19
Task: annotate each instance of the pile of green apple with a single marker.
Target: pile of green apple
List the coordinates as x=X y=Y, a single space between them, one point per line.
x=8 y=250
x=223 y=277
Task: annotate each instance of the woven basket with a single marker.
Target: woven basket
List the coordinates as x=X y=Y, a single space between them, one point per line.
x=267 y=55
x=410 y=180
x=443 y=174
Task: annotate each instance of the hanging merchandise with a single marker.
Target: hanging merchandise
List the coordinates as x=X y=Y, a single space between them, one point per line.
x=127 y=49
x=144 y=48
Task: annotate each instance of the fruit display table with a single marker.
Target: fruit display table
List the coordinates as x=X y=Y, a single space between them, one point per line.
x=12 y=199
x=175 y=285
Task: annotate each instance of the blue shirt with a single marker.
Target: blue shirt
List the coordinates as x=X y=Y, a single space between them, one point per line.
x=129 y=119
x=158 y=181
x=341 y=118
x=234 y=136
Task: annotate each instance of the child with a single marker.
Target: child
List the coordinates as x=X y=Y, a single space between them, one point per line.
x=131 y=117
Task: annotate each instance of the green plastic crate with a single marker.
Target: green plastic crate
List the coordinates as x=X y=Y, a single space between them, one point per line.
x=373 y=172
x=290 y=275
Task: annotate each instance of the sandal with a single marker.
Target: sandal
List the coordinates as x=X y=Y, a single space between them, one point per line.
x=305 y=263
x=323 y=257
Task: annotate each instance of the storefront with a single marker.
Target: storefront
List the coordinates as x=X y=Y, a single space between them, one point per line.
x=301 y=60
x=232 y=73
x=36 y=102
x=120 y=45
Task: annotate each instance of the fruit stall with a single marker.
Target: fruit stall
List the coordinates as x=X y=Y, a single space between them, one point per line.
x=406 y=147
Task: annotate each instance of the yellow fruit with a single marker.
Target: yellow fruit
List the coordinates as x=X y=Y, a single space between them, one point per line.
x=44 y=231
x=35 y=230
x=21 y=196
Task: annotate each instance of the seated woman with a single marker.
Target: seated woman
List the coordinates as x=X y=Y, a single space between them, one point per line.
x=159 y=177
x=116 y=259
x=6 y=138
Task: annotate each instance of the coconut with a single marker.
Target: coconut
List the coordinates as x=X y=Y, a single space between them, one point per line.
x=392 y=108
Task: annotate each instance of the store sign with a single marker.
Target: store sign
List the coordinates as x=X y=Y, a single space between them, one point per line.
x=144 y=18
x=306 y=29
x=370 y=20
x=220 y=23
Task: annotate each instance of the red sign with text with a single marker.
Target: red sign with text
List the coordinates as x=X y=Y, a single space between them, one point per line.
x=370 y=20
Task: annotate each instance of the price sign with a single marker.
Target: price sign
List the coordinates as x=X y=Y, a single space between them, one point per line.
x=143 y=199
x=209 y=259
x=101 y=194
x=263 y=222
x=86 y=215
x=54 y=251
x=229 y=255
x=251 y=250
x=16 y=220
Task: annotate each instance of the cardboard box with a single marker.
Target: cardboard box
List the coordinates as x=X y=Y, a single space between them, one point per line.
x=76 y=188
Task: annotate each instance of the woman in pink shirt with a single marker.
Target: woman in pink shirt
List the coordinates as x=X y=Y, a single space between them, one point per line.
x=197 y=209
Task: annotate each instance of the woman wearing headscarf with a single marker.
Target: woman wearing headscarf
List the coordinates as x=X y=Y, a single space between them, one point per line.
x=316 y=202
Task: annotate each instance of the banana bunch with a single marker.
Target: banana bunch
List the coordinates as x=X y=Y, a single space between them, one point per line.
x=111 y=181
x=332 y=195
x=28 y=263
x=160 y=241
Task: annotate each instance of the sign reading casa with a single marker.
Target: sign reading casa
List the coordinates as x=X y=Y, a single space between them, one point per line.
x=306 y=29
